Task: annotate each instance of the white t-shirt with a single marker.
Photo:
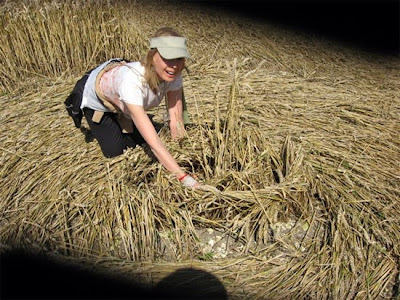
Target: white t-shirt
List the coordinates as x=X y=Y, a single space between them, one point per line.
x=126 y=84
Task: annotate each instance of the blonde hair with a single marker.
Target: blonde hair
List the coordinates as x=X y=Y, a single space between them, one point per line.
x=149 y=74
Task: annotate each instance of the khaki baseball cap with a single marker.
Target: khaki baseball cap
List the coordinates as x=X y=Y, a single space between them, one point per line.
x=170 y=47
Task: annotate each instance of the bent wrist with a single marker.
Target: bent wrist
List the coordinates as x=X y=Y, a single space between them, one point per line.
x=178 y=174
x=182 y=177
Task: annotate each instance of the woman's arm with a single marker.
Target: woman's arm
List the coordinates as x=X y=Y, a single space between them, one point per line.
x=175 y=111
x=148 y=132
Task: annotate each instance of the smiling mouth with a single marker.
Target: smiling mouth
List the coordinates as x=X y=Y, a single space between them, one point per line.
x=170 y=73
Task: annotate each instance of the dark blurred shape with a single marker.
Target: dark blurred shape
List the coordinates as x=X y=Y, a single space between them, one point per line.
x=190 y=283
x=29 y=275
x=368 y=25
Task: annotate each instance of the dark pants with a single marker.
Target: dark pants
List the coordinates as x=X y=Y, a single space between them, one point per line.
x=108 y=133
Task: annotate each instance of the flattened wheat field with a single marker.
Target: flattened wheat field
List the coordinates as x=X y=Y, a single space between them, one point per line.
x=299 y=134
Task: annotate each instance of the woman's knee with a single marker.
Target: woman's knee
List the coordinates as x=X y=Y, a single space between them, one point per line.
x=111 y=151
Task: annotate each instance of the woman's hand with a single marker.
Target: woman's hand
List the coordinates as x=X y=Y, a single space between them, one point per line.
x=191 y=182
x=188 y=181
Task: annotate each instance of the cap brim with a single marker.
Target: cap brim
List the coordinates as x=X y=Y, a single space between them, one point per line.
x=172 y=53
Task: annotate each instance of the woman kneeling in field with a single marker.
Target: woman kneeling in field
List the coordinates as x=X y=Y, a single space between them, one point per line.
x=116 y=95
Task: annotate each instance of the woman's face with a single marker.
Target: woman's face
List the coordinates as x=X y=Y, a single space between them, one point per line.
x=167 y=69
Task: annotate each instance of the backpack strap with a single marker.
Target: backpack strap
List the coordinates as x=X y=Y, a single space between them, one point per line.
x=126 y=124
x=99 y=92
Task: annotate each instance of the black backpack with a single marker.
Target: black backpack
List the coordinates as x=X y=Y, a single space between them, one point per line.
x=74 y=100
